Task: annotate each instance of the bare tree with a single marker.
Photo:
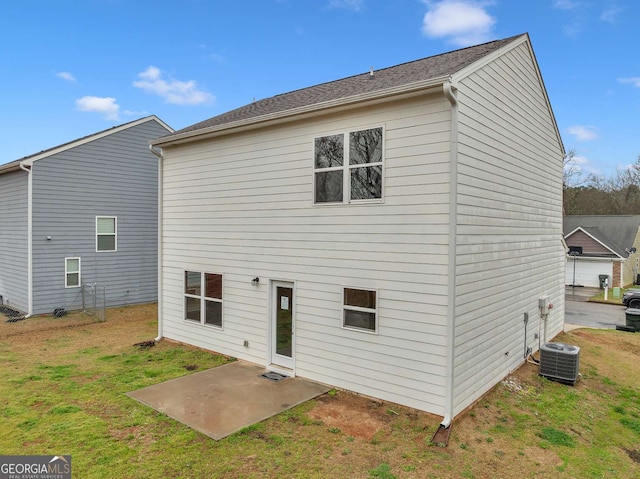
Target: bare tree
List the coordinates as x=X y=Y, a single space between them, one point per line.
x=599 y=195
x=571 y=171
x=572 y=180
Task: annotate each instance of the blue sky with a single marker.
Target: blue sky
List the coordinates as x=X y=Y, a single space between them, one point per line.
x=72 y=68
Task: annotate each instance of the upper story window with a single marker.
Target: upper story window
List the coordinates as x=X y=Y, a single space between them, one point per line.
x=106 y=233
x=351 y=170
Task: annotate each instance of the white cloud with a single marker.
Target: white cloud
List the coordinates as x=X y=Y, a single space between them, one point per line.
x=135 y=113
x=355 y=5
x=577 y=18
x=566 y=4
x=464 y=22
x=583 y=133
x=66 y=76
x=573 y=29
x=581 y=165
x=610 y=15
x=635 y=81
x=173 y=91
x=628 y=167
x=106 y=106
x=216 y=57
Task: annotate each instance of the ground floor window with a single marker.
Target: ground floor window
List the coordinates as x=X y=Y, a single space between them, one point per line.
x=360 y=309
x=71 y=272
x=203 y=298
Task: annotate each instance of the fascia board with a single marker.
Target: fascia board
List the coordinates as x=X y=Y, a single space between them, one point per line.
x=10 y=167
x=575 y=229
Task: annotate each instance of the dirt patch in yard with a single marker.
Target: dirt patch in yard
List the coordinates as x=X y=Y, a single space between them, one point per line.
x=122 y=326
x=353 y=415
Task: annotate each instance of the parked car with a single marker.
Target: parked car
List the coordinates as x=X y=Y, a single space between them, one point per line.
x=631 y=298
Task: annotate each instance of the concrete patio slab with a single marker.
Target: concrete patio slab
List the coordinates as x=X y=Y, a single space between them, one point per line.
x=220 y=401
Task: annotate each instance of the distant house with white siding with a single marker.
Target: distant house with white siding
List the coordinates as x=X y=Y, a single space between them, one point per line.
x=81 y=213
x=387 y=233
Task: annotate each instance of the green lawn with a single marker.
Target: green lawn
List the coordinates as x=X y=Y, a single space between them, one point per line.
x=611 y=298
x=63 y=392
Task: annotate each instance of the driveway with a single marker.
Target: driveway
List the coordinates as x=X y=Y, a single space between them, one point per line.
x=581 y=313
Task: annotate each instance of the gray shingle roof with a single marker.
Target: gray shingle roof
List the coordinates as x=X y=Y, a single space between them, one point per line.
x=617 y=232
x=15 y=165
x=434 y=67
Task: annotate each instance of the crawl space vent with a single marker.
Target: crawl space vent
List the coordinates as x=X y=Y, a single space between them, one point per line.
x=271 y=376
x=560 y=362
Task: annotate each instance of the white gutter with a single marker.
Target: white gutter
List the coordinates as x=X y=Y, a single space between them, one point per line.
x=29 y=240
x=453 y=220
x=159 y=155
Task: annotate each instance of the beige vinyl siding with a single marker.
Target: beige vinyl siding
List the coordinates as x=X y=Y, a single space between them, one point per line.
x=14 y=239
x=242 y=206
x=509 y=215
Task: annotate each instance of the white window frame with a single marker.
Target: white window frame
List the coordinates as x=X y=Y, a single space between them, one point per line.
x=67 y=272
x=114 y=234
x=346 y=307
x=203 y=299
x=347 y=167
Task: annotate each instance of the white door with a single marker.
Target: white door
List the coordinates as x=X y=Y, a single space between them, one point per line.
x=282 y=324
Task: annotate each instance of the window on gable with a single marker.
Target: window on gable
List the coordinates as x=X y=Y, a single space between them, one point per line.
x=71 y=272
x=360 y=309
x=106 y=233
x=203 y=298
x=358 y=178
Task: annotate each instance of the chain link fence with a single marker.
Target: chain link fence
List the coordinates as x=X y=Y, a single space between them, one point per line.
x=93 y=300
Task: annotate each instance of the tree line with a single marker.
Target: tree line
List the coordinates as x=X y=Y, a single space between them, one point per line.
x=598 y=195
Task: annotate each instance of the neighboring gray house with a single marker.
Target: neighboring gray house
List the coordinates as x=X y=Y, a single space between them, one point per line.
x=605 y=245
x=386 y=233
x=81 y=213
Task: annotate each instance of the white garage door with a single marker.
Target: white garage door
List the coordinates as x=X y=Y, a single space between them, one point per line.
x=587 y=271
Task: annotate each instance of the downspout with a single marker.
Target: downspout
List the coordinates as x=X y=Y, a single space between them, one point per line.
x=159 y=155
x=453 y=221
x=29 y=241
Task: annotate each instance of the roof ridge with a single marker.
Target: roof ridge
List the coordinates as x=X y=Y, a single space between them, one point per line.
x=394 y=66
x=313 y=97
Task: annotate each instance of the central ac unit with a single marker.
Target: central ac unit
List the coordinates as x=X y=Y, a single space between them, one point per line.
x=560 y=362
